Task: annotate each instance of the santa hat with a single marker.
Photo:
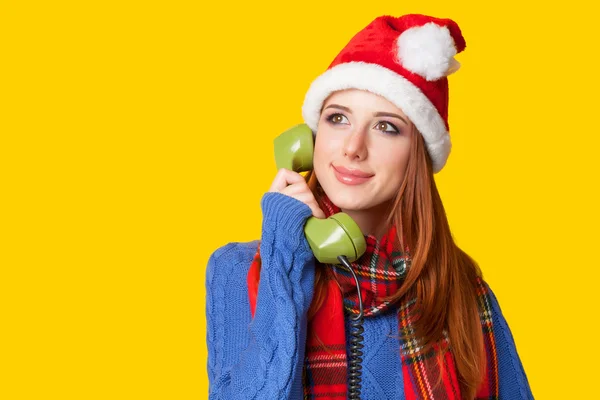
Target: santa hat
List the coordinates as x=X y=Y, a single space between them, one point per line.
x=406 y=60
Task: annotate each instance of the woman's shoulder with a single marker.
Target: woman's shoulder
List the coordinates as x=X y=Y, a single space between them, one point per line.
x=235 y=249
x=486 y=299
x=482 y=286
x=231 y=259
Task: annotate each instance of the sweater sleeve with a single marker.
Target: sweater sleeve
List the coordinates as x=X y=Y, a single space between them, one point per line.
x=272 y=363
x=513 y=383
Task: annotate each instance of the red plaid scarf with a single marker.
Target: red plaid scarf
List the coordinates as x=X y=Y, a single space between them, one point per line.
x=381 y=271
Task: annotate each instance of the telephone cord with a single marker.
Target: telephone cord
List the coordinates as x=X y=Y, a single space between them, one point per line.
x=356 y=339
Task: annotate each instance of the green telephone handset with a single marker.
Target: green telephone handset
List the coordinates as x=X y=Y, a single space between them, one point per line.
x=331 y=237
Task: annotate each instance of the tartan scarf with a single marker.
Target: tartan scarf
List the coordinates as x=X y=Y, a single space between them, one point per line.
x=381 y=271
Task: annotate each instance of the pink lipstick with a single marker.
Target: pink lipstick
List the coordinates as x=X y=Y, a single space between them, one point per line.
x=350 y=176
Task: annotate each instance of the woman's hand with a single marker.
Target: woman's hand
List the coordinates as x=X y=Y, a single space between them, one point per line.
x=294 y=185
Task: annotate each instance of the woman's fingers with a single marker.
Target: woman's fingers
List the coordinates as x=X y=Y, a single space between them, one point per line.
x=284 y=178
x=294 y=185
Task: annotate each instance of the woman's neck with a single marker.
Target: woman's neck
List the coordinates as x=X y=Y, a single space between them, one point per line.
x=372 y=220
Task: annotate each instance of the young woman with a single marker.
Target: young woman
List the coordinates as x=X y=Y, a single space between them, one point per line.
x=281 y=325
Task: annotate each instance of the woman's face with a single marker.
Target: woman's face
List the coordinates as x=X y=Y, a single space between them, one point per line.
x=361 y=149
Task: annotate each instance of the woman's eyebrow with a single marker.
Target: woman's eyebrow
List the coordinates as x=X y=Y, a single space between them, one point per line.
x=387 y=114
x=338 y=106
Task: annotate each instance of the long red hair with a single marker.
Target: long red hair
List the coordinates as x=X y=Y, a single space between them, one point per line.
x=442 y=277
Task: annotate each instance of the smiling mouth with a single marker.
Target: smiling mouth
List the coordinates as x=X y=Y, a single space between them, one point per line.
x=349 y=176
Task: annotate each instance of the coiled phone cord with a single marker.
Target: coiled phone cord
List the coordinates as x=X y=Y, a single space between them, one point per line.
x=356 y=331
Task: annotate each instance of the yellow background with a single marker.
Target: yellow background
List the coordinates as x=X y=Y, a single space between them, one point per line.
x=136 y=138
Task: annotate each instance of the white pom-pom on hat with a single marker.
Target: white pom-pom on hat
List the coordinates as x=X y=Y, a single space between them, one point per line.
x=428 y=51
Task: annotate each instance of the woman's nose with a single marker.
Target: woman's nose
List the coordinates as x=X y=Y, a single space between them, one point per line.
x=355 y=145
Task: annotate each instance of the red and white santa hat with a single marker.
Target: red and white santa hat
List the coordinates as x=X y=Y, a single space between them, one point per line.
x=406 y=60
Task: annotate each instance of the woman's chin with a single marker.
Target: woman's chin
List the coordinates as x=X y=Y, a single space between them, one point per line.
x=346 y=201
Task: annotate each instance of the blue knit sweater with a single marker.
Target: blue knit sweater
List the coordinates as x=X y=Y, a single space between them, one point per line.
x=262 y=358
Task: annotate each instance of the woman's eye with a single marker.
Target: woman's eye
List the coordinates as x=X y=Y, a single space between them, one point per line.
x=384 y=125
x=337 y=119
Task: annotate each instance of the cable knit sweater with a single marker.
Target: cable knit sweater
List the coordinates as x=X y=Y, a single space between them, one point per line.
x=263 y=358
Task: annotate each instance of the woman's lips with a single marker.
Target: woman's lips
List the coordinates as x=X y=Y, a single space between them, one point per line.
x=350 y=176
